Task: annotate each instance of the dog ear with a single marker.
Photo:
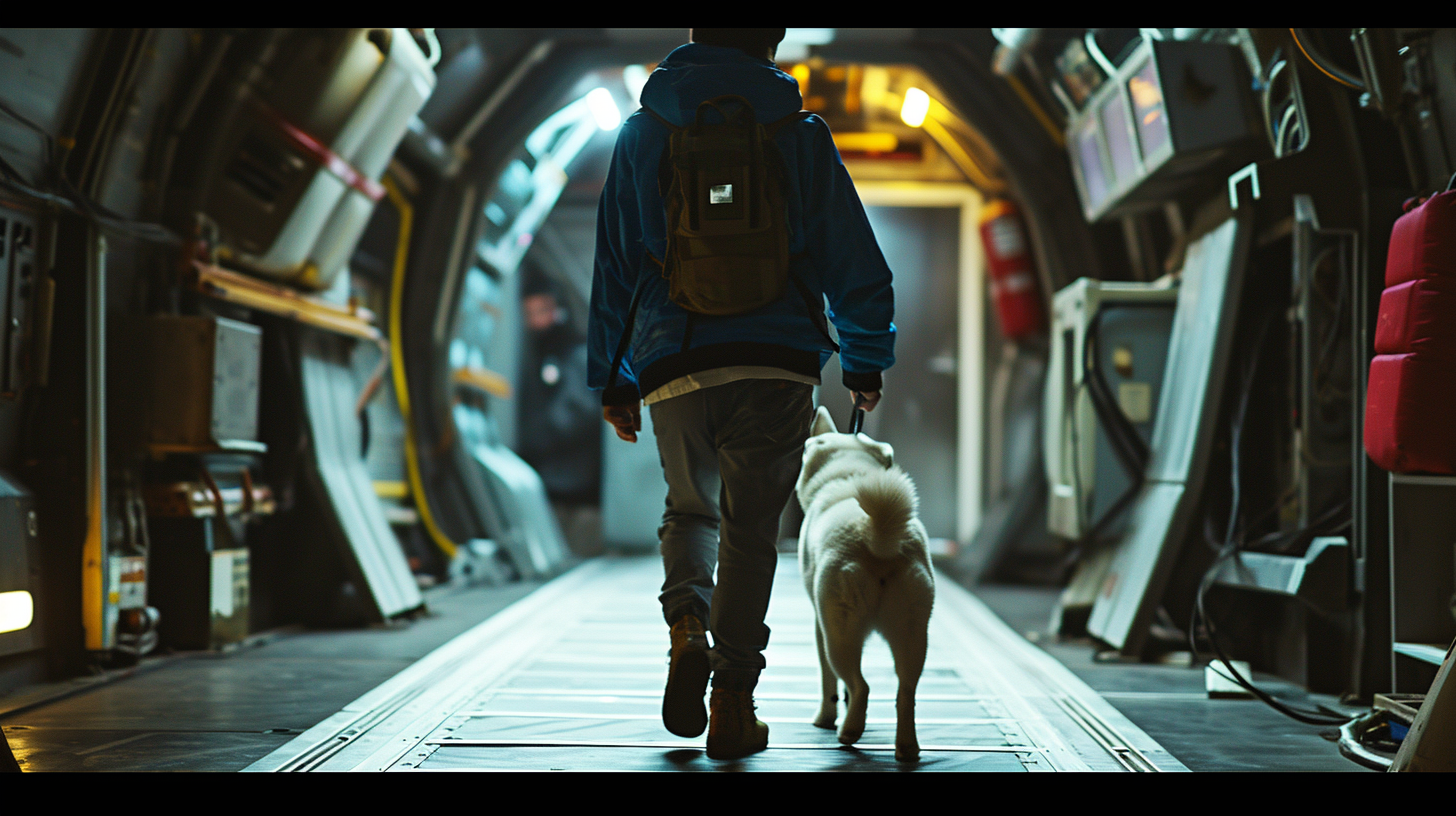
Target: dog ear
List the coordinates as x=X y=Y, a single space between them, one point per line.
x=886 y=454
x=823 y=422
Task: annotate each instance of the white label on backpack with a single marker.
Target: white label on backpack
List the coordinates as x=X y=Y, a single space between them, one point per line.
x=720 y=194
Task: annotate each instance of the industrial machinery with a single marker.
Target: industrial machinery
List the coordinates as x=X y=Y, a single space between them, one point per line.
x=260 y=337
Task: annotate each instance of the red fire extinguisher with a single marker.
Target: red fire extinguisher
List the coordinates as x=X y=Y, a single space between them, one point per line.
x=1014 y=289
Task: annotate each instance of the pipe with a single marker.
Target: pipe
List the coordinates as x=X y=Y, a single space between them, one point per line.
x=93 y=553
x=401 y=383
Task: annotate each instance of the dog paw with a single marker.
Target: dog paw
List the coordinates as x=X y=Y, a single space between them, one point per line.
x=907 y=753
x=825 y=722
x=849 y=734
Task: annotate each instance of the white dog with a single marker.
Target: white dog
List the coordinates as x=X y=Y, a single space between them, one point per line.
x=863 y=553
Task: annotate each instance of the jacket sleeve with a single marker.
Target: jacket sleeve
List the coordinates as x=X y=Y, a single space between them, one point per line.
x=855 y=277
x=614 y=275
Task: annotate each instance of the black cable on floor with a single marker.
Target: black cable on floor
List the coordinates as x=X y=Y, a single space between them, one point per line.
x=1231 y=548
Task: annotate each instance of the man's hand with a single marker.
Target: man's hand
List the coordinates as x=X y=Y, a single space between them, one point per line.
x=625 y=419
x=866 y=401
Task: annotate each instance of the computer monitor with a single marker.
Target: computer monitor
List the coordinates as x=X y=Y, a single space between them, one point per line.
x=1091 y=166
x=1149 y=113
x=1117 y=131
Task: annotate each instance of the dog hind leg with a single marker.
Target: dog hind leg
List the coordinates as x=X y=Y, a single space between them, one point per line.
x=909 y=652
x=829 y=704
x=905 y=629
x=846 y=638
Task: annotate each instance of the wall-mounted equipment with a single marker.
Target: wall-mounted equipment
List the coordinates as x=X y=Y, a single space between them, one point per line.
x=20 y=284
x=315 y=310
x=19 y=570
x=1108 y=354
x=193 y=383
x=1162 y=516
x=1078 y=75
x=1407 y=429
x=299 y=170
x=1175 y=113
x=200 y=570
x=1020 y=310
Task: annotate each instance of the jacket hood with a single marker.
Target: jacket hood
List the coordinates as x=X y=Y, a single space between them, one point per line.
x=695 y=72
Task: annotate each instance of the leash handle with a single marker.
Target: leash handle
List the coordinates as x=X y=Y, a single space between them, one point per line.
x=856 y=421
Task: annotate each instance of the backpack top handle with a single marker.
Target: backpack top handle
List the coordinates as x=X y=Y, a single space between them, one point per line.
x=744 y=107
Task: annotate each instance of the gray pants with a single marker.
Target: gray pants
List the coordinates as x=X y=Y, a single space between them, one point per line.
x=731 y=455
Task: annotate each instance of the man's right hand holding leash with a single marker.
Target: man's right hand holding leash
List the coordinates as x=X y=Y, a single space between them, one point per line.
x=866 y=401
x=625 y=419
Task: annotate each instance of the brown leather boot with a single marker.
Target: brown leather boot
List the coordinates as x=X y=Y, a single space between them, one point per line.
x=683 y=712
x=733 y=730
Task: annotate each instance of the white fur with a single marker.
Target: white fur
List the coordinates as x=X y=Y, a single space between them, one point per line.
x=862 y=550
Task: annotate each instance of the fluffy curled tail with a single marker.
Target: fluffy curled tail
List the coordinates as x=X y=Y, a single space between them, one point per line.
x=888 y=498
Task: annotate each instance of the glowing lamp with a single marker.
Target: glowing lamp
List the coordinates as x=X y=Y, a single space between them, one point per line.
x=16 y=610
x=604 y=109
x=917 y=104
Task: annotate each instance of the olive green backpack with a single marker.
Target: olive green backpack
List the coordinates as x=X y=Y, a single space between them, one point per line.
x=727 y=224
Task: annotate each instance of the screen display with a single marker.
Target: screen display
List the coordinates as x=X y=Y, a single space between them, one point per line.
x=1148 y=111
x=1119 y=140
x=1089 y=159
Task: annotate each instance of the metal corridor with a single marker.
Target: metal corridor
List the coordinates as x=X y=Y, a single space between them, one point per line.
x=570 y=678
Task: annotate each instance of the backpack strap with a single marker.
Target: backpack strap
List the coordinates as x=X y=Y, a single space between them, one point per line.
x=655 y=115
x=744 y=105
x=775 y=126
x=816 y=309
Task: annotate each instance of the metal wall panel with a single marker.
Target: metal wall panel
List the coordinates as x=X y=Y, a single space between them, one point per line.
x=330 y=394
x=1183 y=432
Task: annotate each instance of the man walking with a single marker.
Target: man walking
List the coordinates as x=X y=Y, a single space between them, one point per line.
x=731 y=394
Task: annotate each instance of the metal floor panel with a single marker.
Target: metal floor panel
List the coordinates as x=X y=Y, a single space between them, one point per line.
x=571 y=678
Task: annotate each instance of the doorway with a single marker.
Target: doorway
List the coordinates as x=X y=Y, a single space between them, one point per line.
x=933 y=411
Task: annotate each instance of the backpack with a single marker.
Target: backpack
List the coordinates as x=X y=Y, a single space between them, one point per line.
x=727 y=223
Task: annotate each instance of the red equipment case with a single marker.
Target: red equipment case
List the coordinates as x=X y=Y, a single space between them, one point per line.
x=1411 y=396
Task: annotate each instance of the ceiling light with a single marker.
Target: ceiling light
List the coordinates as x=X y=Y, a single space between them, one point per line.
x=635 y=78
x=604 y=109
x=917 y=104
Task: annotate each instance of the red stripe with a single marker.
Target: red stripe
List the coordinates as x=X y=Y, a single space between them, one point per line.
x=332 y=161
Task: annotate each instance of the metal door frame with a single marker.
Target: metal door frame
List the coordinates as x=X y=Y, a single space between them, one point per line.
x=970 y=329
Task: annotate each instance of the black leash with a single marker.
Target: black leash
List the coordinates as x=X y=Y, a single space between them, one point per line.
x=856 y=421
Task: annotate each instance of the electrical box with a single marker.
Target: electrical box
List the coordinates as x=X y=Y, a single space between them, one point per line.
x=192 y=383
x=1122 y=329
x=1175 y=113
x=19 y=238
x=200 y=583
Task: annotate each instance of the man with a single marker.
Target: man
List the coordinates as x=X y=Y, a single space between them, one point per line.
x=731 y=397
x=557 y=414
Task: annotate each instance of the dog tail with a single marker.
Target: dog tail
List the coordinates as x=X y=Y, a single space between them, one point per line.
x=888 y=498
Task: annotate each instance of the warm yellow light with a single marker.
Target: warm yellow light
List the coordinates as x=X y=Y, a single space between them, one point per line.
x=866 y=142
x=16 y=610
x=800 y=73
x=917 y=104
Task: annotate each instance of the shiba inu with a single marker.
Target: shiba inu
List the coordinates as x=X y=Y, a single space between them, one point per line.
x=862 y=550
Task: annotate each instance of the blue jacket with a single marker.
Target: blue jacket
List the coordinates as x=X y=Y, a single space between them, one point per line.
x=832 y=245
